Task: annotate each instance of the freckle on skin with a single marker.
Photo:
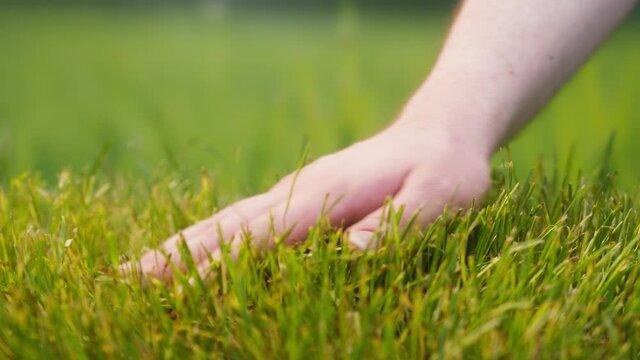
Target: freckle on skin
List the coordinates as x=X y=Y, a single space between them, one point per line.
x=551 y=57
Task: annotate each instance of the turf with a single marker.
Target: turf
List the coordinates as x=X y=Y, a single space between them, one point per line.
x=541 y=271
x=203 y=109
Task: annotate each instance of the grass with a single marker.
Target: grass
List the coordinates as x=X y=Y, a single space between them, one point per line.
x=201 y=108
x=541 y=271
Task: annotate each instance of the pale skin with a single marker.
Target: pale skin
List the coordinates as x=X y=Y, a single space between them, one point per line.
x=502 y=61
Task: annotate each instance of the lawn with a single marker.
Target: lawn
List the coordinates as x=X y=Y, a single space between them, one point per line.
x=120 y=126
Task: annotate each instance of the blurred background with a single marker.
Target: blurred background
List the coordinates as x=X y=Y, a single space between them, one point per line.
x=241 y=87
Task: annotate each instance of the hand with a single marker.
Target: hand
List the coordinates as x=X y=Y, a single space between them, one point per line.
x=419 y=168
x=493 y=74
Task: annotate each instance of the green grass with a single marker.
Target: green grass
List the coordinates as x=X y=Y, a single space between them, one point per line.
x=201 y=108
x=542 y=271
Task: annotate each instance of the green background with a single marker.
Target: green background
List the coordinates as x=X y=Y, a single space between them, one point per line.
x=241 y=91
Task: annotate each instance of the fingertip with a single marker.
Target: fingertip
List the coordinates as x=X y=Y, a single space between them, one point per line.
x=204 y=271
x=205 y=268
x=126 y=268
x=157 y=264
x=360 y=240
x=132 y=271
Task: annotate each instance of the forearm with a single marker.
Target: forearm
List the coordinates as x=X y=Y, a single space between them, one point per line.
x=504 y=59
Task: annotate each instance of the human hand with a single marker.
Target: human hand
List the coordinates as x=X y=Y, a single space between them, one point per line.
x=493 y=74
x=421 y=169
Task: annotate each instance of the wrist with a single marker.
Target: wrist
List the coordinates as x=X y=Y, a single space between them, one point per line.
x=461 y=113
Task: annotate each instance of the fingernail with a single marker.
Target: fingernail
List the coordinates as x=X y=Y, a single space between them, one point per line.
x=125 y=268
x=360 y=239
x=130 y=268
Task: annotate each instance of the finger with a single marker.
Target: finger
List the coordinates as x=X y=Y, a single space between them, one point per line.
x=420 y=201
x=239 y=220
x=242 y=208
x=203 y=237
x=343 y=206
x=204 y=267
x=171 y=244
x=292 y=220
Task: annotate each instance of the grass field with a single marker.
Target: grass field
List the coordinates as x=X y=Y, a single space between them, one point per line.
x=119 y=127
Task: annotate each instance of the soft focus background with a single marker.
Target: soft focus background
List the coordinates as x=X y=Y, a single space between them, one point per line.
x=241 y=88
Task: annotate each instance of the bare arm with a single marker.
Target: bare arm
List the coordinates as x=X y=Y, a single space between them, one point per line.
x=502 y=61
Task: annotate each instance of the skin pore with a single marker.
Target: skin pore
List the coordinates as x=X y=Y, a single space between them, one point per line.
x=502 y=61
